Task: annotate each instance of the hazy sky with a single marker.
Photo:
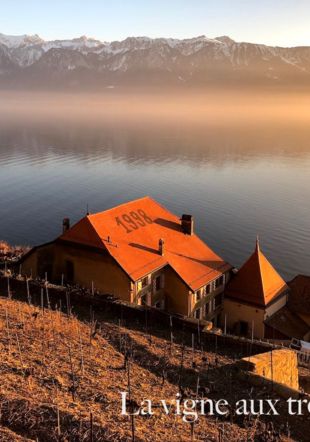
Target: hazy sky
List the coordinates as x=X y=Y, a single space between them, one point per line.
x=276 y=22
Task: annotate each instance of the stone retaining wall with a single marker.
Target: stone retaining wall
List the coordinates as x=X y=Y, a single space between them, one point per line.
x=279 y=366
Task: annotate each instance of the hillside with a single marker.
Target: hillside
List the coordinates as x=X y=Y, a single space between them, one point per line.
x=58 y=374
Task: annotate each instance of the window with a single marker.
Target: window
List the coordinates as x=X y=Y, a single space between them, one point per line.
x=160 y=304
x=144 y=300
x=145 y=281
x=216 y=321
x=218 y=300
x=157 y=283
x=219 y=282
x=197 y=313
x=208 y=289
x=198 y=295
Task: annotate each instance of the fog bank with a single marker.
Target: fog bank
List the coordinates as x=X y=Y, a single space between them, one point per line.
x=215 y=108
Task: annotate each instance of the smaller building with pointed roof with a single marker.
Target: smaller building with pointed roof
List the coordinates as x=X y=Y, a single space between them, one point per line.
x=254 y=293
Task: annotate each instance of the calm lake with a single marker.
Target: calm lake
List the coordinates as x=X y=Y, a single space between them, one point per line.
x=237 y=181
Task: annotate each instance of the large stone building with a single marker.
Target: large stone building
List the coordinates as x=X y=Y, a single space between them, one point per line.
x=139 y=252
x=254 y=294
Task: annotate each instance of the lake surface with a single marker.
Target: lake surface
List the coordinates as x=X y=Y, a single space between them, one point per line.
x=237 y=181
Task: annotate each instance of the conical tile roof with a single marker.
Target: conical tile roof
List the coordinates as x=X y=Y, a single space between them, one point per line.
x=257 y=282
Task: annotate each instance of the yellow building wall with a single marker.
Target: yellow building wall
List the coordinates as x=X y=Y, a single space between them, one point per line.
x=88 y=265
x=29 y=266
x=177 y=294
x=194 y=304
x=236 y=312
x=39 y=262
x=107 y=276
x=274 y=307
x=150 y=293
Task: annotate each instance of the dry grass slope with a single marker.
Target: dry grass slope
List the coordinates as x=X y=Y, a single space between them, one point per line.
x=58 y=374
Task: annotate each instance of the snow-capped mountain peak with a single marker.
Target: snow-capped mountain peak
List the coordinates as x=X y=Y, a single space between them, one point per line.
x=225 y=39
x=16 y=41
x=143 y=60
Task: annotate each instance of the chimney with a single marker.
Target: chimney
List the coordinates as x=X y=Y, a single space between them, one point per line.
x=161 y=246
x=187 y=223
x=65 y=224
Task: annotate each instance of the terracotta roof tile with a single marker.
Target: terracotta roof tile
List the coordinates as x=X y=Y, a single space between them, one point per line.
x=131 y=233
x=288 y=323
x=299 y=299
x=257 y=282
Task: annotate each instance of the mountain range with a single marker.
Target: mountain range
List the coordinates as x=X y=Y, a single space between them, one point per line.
x=28 y=61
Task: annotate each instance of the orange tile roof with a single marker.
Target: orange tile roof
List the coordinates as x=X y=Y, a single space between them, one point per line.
x=131 y=233
x=257 y=282
x=299 y=299
x=288 y=323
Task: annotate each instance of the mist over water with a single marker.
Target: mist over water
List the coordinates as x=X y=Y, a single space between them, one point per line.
x=240 y=164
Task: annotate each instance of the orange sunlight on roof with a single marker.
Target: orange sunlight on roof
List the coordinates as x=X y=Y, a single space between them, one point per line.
x=257 y=281
x=131 y=233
